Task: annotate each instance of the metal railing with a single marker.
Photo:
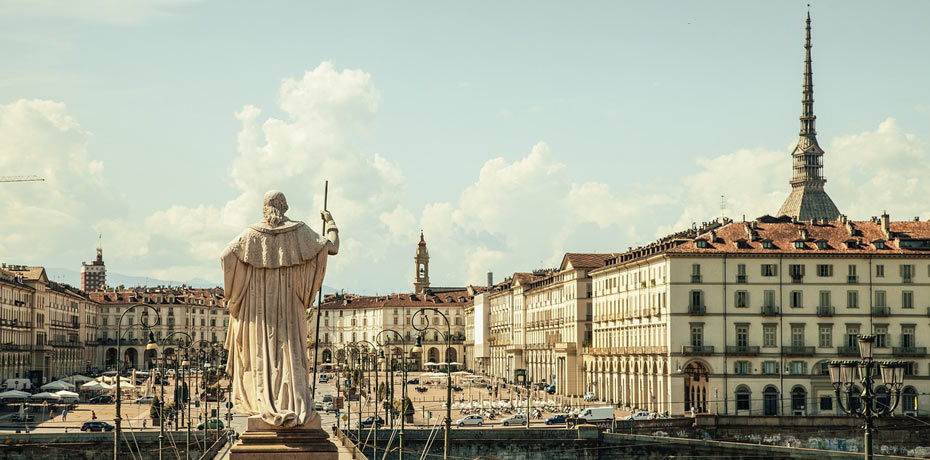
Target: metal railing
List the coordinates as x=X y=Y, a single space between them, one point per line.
x=697 y=350
x=825 y=310
x=697 y=309
x=881 y=311
x=744 y=350
x=797 y=350
x=769 y=310
x=909 y=351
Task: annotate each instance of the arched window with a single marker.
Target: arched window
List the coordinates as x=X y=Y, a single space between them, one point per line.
x=770 y=401
x=743 y=399
x=909 y=400
x=799 y=401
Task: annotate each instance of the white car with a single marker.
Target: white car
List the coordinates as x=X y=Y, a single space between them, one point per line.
x=589 y=396
x=515 y=419
x=641 y=415
x=473 y=419
x=329 y=406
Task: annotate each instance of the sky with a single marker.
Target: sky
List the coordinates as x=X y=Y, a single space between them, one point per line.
x=509 y=133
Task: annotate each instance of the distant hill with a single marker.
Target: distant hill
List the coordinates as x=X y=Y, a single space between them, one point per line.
x=73 y=277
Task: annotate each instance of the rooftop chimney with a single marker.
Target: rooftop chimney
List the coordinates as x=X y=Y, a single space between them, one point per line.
x=490 y=279
x=886 y=226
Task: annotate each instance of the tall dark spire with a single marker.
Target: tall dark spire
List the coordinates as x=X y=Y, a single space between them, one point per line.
x=808 y=200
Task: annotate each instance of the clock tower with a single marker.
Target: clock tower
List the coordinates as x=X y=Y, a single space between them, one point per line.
x=421 y=267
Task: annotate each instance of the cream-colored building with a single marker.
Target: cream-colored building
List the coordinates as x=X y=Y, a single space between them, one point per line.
x=743 y=319
x=16 y=320
x=198 y=312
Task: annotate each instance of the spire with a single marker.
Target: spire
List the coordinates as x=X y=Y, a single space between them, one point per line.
x=422 y=241
x=808 y=200
x=807 y=98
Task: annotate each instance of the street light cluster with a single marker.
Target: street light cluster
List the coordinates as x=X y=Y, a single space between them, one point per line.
x=845 y=375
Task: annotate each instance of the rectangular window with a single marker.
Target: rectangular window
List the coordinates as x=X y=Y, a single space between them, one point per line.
x=797 y=299
x=741 y=273
x=824 y=270
x=742 y=336
x=796 y=271
x=826 y=403
x=852 y=299
x=768 y=299
x=852 y=337
x=907 y=273
x=770 y=367
x=879 y=271
x=907 y=299
x=797 y=336
x=697 y=336
x=697 y=299
x=741 y=367
x=851 y=277
x=881 y=336
x=768 y=336
x=769 y=270
x=907 y=336
x=798 y=368
x=826 y=336
x=742 y=299
x=695 y=273
x=880 y=299
x=825 y=299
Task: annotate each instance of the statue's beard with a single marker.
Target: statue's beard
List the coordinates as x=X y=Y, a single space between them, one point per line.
x=272 y=215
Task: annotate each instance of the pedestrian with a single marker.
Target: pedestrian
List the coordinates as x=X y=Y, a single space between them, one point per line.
x=692 y=411
x=144 y=422
x=64 y=415
x=93 y=415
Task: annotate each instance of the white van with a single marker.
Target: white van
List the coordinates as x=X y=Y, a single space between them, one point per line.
x=596 y=415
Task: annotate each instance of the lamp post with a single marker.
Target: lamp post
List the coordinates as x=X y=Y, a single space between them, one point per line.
x=403 y=388
x=418 y=348
x=164 y=365
x=151 y=345
x=371 y=360
x=844 y=374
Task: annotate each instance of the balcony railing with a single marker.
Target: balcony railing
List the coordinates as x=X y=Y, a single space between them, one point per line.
x=742 y=350
x=847 y=350
x=852 y=279
x=697 y=309
x=769 y=310
x=15 y=347
x=909 y=351
x=695 y=278
x=797 y=350
x=741 y=279
x=881 y=311
x=824 y=310
x=695 y=350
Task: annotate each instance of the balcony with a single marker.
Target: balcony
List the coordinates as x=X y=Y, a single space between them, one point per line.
x=797 y=350
x=824 y=310
x=852 y=279
x=769 y=310
x=847 y=350
x=742 y=350
x=741 y=279
x=695 y=278
x=15 y=347
x=697 y=310
x=909 y=351
x=881 y=311
x=697 y=350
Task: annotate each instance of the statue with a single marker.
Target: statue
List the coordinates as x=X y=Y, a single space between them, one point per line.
x=272 y=271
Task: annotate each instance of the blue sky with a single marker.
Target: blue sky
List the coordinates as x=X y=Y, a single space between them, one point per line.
x=510 y=133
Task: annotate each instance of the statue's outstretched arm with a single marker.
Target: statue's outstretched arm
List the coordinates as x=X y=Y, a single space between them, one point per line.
x=332 y=233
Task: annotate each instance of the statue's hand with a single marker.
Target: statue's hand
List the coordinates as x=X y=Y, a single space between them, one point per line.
x=327 y=217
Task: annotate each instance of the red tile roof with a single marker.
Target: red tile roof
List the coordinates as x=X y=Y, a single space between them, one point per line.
x=407 y=300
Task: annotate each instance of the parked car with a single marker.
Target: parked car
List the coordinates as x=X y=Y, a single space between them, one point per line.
x=515 y=419
x=413 y=381
x=641 y=415
x=144 y=400
x=329 y=407
x=101 y=399
x=556 y=419
x=324 y=378
x=596 y=414
x=327 y=398
x=371 y=419
x=211 y=424
x=456 y=388
x=96 y=425
x=473 y=419
x=318 y=406
x=589 y=396
x=550 y=389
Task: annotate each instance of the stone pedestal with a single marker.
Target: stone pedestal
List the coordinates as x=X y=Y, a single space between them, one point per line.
x=264 y=441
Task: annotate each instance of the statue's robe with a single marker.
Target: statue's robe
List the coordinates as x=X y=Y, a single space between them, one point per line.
x=271 y=276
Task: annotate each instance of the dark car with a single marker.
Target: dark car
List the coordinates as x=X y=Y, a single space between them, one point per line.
x=101 y=399
x=556 y=419
x=369 y=420
x=96 y=425
x=413 y=382
x=212 y=424
x=327 y=398
x=550 y=389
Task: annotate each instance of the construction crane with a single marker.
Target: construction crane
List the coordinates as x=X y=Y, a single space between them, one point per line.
x=21 y=179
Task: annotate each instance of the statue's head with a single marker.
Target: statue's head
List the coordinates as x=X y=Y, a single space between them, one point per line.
x=274 y=205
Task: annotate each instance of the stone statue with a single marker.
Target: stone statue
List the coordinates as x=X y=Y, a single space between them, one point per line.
x=272 y=272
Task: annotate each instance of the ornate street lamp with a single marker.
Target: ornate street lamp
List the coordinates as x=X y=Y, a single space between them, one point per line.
x=403 y=388
x=164 y=366
x=145 y=324
x=419 y=347
x=845 y=374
